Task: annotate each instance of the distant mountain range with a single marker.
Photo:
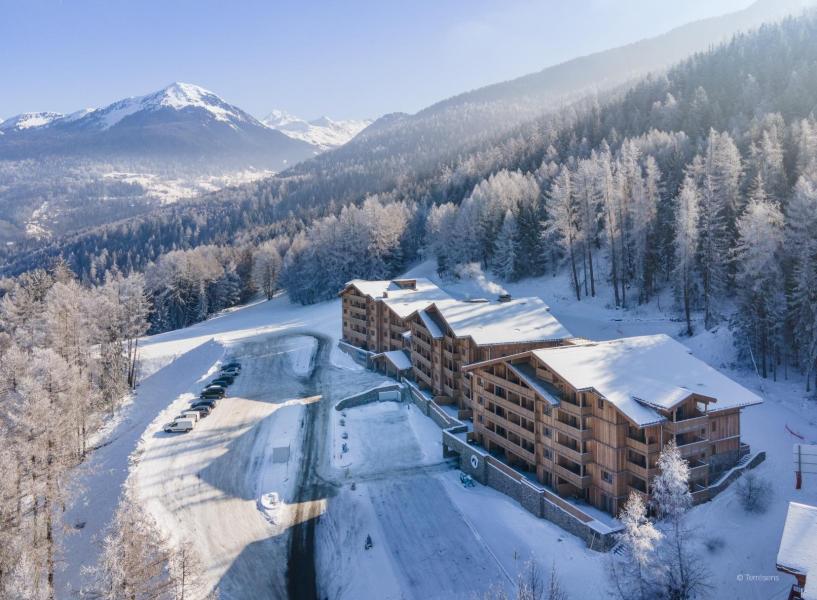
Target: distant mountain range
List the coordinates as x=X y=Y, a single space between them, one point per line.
x=322 y=132
x=181 y=122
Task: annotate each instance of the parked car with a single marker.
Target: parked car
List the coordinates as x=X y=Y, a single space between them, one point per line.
x=189 y=414
x=216 y=387
x=180 y=425
x=231 y=365
x=203 y=410
x=222 y=379
x=231 y=372
x=209 y=402
x=211 y=395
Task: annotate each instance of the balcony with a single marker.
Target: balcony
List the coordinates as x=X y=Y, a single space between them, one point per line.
x=509 y=446
x=574 y=454
x=576 y=479
x=639 y=492
x=641 y=470
x=682 y=426
x=641 y=446
x=569 y=406
x=698 y=470
x=508 y=405
x=580 y=434
x=692 y=446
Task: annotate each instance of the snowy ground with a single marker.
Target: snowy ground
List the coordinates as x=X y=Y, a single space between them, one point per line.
x=432 y=537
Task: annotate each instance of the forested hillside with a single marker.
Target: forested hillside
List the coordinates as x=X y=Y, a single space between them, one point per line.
x=700 y=180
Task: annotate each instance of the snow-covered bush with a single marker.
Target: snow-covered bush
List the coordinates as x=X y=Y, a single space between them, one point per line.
x=754 y=493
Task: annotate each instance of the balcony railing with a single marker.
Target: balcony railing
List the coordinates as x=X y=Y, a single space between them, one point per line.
x=581 y=434
x=642 y=446
x=575 y=478
x=687 y=425
x=573 y=454
x=693 y=447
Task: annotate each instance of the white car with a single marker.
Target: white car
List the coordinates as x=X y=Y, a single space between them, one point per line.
x=190 y=414
x=180 y=425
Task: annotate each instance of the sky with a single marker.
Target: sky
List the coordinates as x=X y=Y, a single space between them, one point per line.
x=343 y=58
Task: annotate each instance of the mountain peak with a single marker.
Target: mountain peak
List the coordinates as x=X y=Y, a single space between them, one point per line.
x=322 y=132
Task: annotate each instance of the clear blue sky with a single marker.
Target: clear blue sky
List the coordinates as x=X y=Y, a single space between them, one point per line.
x=343 y=58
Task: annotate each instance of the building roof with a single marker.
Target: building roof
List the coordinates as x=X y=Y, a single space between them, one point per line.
x=527 y=373
x=644 y=374
x=798 y=545
x=434 y=330
x=487 y=323
x=402 y=300
x=398 y=358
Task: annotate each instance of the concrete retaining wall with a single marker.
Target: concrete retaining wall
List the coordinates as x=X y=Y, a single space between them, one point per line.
x=484 y=468
x=372 y=395
x=730 y=476
x=359 y=355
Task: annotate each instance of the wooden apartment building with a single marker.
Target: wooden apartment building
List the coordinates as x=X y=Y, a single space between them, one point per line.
x=450 y=334
x=375 y=312
x=590 y=419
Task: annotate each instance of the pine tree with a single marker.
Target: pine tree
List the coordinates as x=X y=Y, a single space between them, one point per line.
x=686 y=244
x=505 y=248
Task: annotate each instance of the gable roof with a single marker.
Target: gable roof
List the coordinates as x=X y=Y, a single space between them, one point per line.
x=402 y=300
x=798 y=545
x=644 y=374
x=487 y=323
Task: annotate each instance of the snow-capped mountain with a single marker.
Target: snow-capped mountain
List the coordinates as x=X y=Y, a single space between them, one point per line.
x=180 y=121
x=29 y=120
x=322 y=132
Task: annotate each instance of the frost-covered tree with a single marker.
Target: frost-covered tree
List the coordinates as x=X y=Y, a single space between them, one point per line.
x=686 y=245
x=760 y=278
x=266 y=268
x=801 y=249
x=685 y=576
x=503 y=263
x=636 y=572
x=565 y=221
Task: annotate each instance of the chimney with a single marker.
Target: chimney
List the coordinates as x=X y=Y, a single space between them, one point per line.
x=504 y=297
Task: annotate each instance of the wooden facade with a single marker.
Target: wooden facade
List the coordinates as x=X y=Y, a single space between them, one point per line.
x=582 y=445
x=439 y=356
x=371 y=324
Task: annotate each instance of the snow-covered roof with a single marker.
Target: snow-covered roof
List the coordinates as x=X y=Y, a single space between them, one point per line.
x=798 y=546
x=527 y=373
x=433 y=329
x=519 y=320
x=642 y=374
x=411 y=296
x=408 y=300
x=398 y=358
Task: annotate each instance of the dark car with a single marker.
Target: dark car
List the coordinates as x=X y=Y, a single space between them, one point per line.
x=210 y=396
x=210 y=403
x=231 y=365
x=223 y=379
x=203 y=409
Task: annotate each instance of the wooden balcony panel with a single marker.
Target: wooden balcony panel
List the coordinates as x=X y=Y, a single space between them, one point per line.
x=687 y=425
x=578 y=480
x=642 y=447
x=693 y=448
x=511 y=426
x=583 y=458
x=507 y=404
x=510 y=446
x=642 y=472
x=508 y=385
x=579 y=434
x=573 y=409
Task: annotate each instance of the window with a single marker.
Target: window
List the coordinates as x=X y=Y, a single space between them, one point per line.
x=479 y=419
x=607 y=476
x=714 y=425
x=600 y=404
x=546 y=431
x=547 y=453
